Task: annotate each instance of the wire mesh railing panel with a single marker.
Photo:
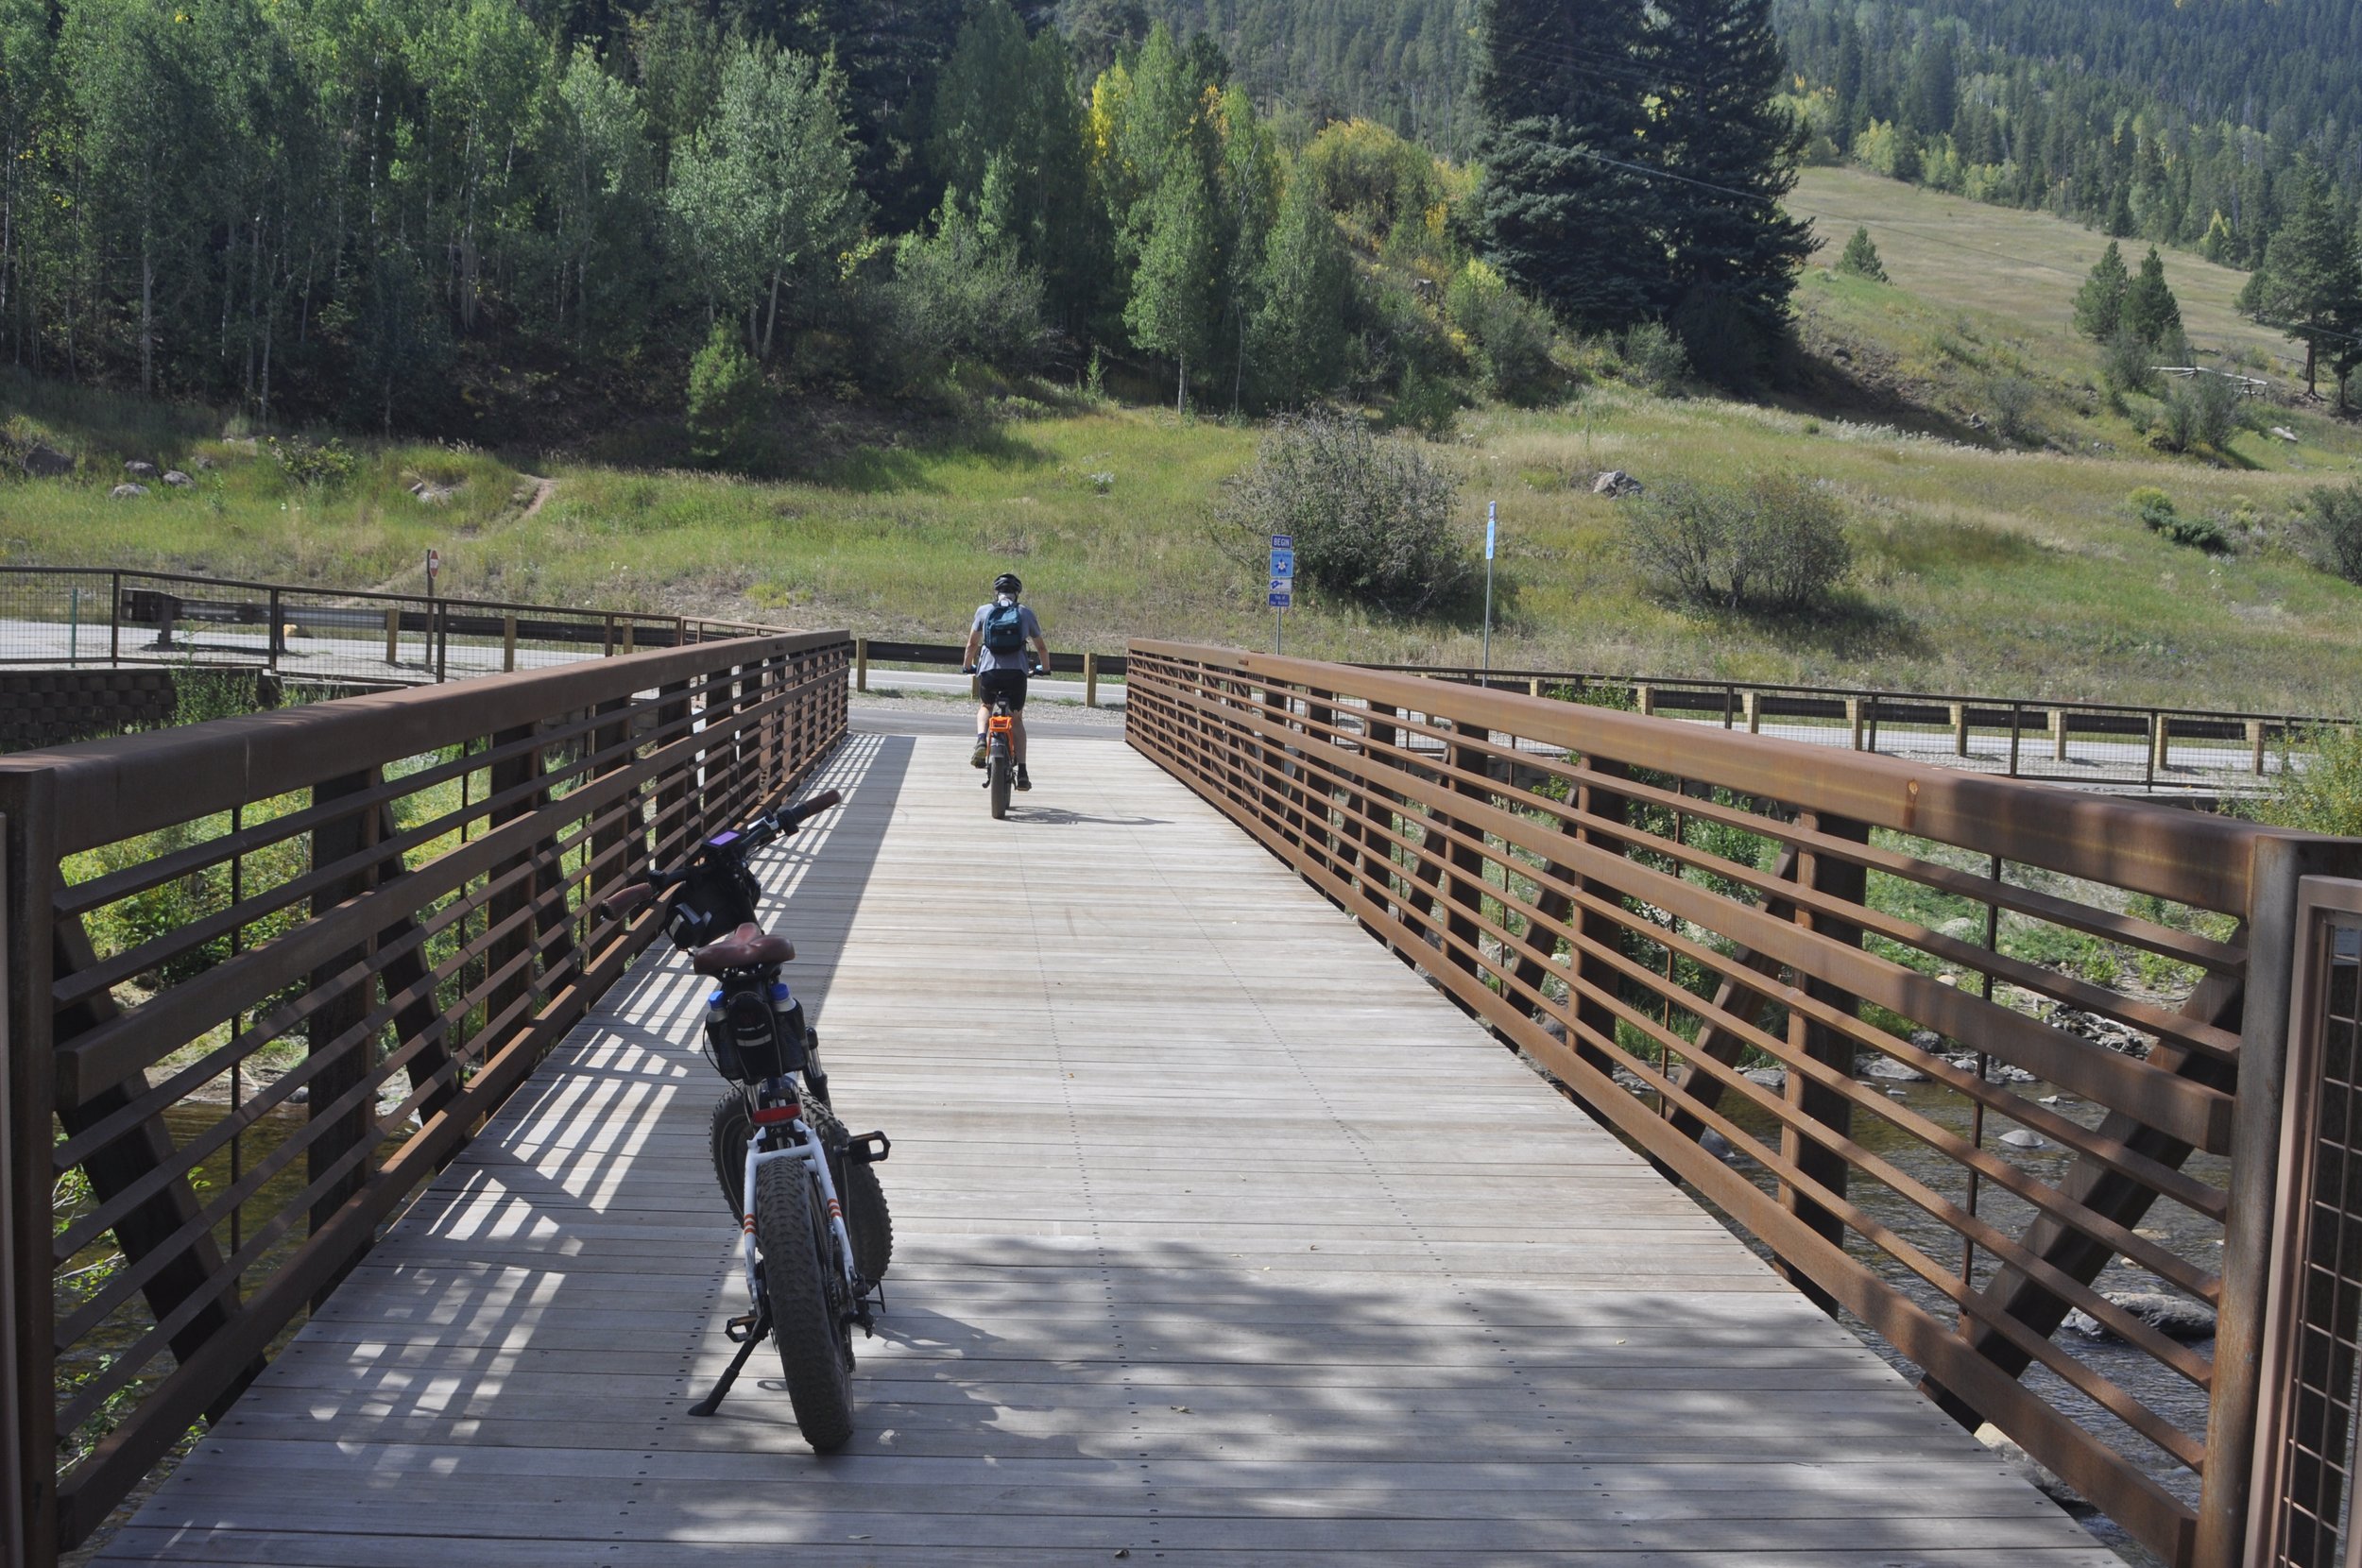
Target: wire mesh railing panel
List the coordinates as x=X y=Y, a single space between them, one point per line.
x=2308 y=1444
x=298 y=957
x=1959 y=1053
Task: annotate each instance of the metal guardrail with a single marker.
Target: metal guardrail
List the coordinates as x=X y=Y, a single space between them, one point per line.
x=76 y=616
x=2043 y=740
x=267 y=974
x=1900 y=1024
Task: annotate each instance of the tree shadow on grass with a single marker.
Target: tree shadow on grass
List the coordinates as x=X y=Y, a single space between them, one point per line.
x=1847 y=625
x=876 y=470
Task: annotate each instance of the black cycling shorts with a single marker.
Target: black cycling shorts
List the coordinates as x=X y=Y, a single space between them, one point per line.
x=994 y=686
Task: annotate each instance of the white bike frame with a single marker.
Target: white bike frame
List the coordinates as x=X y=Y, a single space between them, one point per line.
x=808 y=1153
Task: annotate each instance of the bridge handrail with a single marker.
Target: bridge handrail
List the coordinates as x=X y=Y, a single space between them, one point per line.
x=1653 y=910
x=397 y=883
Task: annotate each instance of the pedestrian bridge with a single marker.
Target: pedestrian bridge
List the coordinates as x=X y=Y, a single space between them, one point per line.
x=1226 y=1226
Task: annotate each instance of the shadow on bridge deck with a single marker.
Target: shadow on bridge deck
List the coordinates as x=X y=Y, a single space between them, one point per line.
x=1219 y=1232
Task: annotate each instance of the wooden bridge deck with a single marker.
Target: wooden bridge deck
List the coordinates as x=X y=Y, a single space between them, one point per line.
x=1218 y=1234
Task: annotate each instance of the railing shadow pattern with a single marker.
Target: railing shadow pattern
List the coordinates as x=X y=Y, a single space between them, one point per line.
x=1730 y=950
x=268 y=974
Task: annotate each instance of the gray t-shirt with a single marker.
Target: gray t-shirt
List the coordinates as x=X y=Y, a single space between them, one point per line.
x=1024 y=657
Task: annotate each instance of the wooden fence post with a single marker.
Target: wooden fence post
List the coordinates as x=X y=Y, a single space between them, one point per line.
x=2255 y=747
x=1959 y=729
x=1852 y=720
x=508 y=642
x=860 y=664
x=393 y=635
x=2058 y=734
x=1646 y=696
x=1090 y=680
x=1755 y=713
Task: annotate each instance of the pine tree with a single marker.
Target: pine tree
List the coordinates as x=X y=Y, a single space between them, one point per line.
x=725 y=391
x=1716 y=67
x=2099 y=303
x=2151 y=313
x=2310 y=284
x=1860 y=258
x=2120 y=225
x=1564 y=214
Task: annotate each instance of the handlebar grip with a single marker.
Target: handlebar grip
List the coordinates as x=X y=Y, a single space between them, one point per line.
x=792 y=817
x=625 y=899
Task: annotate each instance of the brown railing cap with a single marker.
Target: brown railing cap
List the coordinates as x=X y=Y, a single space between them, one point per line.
x=112 y=789
x=2170 y=852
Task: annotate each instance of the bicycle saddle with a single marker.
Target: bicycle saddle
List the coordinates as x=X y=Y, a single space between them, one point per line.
x=747 y=947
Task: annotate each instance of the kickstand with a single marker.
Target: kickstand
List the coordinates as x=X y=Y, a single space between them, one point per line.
x=756 y=1333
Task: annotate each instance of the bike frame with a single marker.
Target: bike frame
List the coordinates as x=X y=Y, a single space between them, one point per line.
x=807 y=1151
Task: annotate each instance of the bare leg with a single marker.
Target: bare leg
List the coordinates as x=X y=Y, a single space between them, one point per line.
x=1017 y=737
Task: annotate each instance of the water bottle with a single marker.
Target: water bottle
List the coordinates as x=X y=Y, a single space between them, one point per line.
x=718 y=1050
x=787 y=1019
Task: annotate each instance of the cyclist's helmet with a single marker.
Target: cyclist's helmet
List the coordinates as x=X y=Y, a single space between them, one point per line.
x=1007 y=583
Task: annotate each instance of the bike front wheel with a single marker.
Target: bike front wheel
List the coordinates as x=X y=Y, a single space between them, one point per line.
x=806 y=1291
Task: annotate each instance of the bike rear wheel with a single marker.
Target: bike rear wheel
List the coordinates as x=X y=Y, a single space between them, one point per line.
x=807 y=1308
x=867 y=1219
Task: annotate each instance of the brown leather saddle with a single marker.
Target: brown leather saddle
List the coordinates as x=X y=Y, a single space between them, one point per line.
x=748 y=947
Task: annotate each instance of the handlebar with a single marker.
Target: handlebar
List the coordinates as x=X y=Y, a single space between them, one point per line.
x=763 y=830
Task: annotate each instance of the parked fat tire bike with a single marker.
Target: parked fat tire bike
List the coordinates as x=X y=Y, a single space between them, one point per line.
x=814 y=1233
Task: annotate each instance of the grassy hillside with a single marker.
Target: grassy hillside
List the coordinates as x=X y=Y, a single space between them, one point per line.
x=1956 y=254
x=2018 y=571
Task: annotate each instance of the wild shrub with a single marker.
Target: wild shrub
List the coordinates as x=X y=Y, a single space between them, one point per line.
x=2319 y=789
x=2200 y=410
x=2160 y=517
x=2336 y=516
x=1774 y=543
x=1371 y=516
x=1654 y=357
x=1510 y=335
x=2012 y=400
x=314 y=464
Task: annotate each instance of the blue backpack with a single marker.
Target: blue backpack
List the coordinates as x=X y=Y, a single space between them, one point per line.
x=1004 y=629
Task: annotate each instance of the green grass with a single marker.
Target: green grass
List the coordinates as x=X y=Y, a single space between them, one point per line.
x=2018 y=573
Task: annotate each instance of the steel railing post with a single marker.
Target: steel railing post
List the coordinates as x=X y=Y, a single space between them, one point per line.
x=2275 y=885
x=115 y=620
x=272 y=644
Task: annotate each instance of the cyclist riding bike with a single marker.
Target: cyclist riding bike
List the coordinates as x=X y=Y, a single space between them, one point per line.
x=1005 y=646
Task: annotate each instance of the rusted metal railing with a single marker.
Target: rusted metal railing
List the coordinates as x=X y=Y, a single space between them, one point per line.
x=1962 y=1055
x=267 y=974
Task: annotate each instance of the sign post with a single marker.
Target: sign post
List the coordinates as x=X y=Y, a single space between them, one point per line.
x=433 y=570
x=1283 y=582
x=1492 y=528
